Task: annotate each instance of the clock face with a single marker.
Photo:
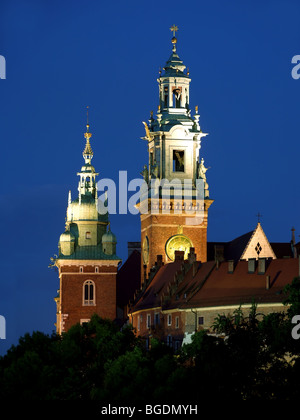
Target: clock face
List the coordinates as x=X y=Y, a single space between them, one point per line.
x=145 y=250
x=178 y=243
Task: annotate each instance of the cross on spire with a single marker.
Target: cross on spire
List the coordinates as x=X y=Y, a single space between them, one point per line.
x=87 y=118
x=87 y=134
x=258 y=217
x=174 y=29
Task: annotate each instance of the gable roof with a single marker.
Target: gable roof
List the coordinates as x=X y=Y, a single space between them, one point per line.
x=258 y=245
x=236 y=248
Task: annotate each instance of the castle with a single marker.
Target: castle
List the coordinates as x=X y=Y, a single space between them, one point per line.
x=174 y=281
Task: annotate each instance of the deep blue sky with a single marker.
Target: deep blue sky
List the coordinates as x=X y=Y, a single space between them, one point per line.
x=63 y=56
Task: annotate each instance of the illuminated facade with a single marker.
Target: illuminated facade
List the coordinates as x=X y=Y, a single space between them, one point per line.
x=186 y=282
x=174 y=211
x=87 y=260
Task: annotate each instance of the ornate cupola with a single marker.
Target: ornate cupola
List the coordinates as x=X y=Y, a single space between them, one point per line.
x=174 y=136
x=175 y=174
x=87 y=181
x=87 y=260
x=174 y=83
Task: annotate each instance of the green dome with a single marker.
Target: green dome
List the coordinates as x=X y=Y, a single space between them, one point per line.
x=67 y=236
x=109 y=237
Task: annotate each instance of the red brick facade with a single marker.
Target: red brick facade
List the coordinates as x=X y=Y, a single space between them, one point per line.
x=160 y=227
x=72 y=307
x=167 y=326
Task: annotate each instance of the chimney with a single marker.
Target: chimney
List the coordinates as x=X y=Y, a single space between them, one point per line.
x=267 y=282
x=261 y=266
x=159 y=261
x=251 y=265
x=192 y=256
x=219 y=253
x=230 y=266
x=179 y=255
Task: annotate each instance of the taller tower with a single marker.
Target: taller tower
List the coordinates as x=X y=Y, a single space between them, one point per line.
x=175 y=207
x=87 y=260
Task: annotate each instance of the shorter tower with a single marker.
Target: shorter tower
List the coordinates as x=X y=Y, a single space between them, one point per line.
x=87 y=260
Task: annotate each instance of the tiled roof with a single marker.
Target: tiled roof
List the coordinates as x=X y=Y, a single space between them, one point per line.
x=239 y=287
x=151 y=297
x=183 y=285
x=89 y=252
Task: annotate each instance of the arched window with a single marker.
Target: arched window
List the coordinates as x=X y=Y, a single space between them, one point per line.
x=88 y=293
x=177 y=98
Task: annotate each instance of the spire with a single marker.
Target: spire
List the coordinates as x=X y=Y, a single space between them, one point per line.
x=174 y=29
x=87 y=182
x=88 y=152
x=174 y=66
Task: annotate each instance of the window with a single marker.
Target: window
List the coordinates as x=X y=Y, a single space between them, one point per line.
x=177 y=322
x=87 y=235
x=178 y=161
x=156 y=319
x=169 y=340
x=166 y=96
x=80 y=269
x=177 y=97
x=148 y=320
x=200 y=320
x=88 y=293
x=151 y=159
x=138 y=323
x=177 y=345
x=147 y=343
x=258 y=248
x=96 y=269
x=169 y=319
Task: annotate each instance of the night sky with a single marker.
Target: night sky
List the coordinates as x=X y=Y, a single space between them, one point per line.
x=62 y=56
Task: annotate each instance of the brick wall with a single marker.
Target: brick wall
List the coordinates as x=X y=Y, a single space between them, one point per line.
x=159 y=228
x=71 y=293
x=157 y=324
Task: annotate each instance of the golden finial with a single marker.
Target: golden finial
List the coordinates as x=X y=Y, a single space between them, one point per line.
x=87 y=135
x=174 y=29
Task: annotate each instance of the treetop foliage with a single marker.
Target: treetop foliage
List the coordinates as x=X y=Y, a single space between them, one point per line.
x=251 y=357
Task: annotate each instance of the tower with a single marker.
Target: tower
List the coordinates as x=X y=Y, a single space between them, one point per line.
x=175 y=201
x=87 y=260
